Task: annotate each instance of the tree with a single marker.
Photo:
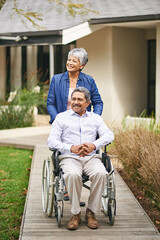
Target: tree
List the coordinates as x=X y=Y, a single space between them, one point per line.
x=73 y=7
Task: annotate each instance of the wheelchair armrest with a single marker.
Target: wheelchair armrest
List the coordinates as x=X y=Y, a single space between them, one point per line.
x=105 y=147
x=98 y=151
x=106 y=161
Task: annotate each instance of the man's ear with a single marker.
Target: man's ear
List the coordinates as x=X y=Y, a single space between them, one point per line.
x=88 y=103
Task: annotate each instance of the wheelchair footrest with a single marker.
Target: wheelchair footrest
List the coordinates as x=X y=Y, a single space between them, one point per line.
x=66 y=198
x=82 y=204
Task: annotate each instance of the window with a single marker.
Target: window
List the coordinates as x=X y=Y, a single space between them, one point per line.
x=24 y=66
x=43 y=63
x=60 y=58
x=7 y=71
x=151 y=76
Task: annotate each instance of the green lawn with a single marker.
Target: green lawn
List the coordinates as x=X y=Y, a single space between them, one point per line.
x=14 y=175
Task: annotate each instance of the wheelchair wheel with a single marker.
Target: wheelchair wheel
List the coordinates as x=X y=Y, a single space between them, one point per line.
x=45 y=183
x=47 y=186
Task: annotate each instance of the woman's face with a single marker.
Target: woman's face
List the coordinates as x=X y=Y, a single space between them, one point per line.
x=73 y=64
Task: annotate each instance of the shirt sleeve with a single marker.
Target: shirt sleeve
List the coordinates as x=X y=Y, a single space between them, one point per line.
x=106 y=136
x=54 y=139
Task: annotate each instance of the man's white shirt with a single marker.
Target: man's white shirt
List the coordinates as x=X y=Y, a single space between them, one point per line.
x=69 y=129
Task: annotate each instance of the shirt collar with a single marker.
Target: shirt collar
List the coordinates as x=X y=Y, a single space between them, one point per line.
x=80 y=77
x=72 y=113
x=65 y=75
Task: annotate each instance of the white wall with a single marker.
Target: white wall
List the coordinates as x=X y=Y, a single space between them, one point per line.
x=2 y=73
x=129 y=72
x=118 y=63
x=99 y=48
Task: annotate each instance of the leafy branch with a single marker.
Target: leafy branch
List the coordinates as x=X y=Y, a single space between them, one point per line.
x=30 y=16
x=2 y=2
x=74 y=8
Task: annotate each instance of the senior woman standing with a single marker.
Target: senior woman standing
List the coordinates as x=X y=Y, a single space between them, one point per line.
x=62 y=85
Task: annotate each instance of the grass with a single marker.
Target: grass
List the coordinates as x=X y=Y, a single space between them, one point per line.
x=14 y=175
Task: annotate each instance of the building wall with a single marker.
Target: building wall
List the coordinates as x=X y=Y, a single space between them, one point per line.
x=99 y=48
x=129 y=72
x=118 y=63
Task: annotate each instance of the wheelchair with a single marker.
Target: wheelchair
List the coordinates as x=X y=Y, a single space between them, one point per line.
x=53 y=187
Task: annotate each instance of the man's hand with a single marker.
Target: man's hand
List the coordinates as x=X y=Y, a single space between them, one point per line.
x=83 y=149
x=88 y=148
x=76 y=148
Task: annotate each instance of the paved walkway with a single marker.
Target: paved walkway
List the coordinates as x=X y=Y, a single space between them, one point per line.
x=131 y=223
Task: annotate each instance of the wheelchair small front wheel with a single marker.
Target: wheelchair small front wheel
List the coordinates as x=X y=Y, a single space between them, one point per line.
x=58 y=216
x=112 y=211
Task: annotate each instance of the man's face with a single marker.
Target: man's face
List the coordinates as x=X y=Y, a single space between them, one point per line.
x=78 y=103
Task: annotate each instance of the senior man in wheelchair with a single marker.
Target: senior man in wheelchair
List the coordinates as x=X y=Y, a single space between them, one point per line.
x=74 y=133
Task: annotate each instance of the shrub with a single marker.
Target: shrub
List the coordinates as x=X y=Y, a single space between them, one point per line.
x=15 y=117
x=138 y=150
x=19 y=112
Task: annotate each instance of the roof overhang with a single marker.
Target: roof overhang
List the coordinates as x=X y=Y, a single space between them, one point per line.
x=137 y=18
x=31 y=38
x=74 y=33
x=84 y=29
x=77 y=32
x=48 y=37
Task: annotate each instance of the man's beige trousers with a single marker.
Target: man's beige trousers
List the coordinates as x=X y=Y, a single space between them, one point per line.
x=73 y=168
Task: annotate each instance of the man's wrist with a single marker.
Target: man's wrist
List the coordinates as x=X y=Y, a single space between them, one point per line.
x=94 y=146
x=71 y=149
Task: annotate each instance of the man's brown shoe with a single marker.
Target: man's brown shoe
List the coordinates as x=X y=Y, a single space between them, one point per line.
x=74 y=222
x=91 y=219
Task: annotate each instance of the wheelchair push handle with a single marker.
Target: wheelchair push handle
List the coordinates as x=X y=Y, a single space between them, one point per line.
x=105 y=147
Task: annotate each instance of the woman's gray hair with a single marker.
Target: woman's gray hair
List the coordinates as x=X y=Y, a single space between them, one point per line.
x=83 y=90
x=79 y=53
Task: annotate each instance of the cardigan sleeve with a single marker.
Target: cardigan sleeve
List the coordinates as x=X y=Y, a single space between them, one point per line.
x=96 y=99
x=51 y=101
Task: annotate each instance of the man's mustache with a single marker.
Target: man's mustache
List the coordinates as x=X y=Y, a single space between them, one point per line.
x=76 y=105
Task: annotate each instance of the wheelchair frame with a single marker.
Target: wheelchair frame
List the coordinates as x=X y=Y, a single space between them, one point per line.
x=53 y=189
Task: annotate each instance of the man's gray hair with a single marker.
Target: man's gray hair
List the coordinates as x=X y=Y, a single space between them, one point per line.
x=79 y=53
x=83 y=90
